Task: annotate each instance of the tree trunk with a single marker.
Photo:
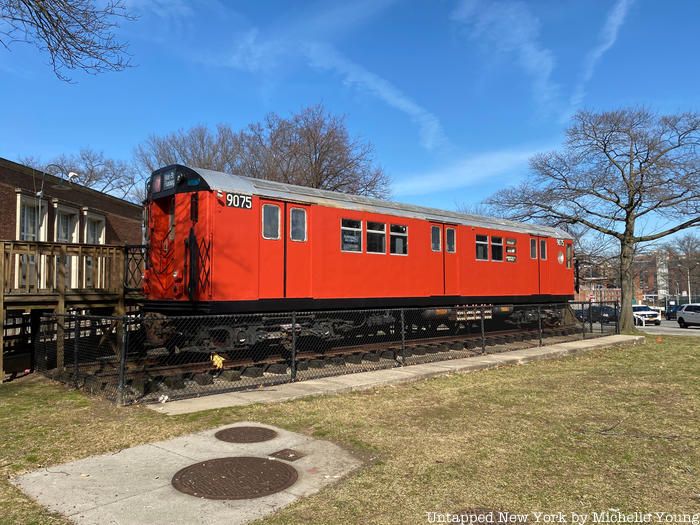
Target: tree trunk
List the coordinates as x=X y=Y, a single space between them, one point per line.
x=626 y=285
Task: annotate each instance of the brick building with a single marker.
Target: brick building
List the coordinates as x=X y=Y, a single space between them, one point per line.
x=37 y=206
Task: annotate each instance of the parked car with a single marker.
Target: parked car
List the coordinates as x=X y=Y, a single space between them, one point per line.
x=597 y=314
x=644 y=314
x=671 y=312
x=688 y=315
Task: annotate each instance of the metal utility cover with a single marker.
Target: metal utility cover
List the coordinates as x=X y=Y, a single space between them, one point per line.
x=245 y=434
x=235 y=478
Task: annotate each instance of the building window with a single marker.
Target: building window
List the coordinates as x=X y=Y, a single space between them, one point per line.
x=543 y=249
x=66 y=226
x=376 y=237
x=94 y=230
x=533 y=248
x=435 y=239
x=496 y=248
x=451 y=240
x=30 y=226
x=569 y=255
x=297 y=231
x=351 y=235
x=28 y=222
x=271 y=221
x=398 y=239
x=482 y=247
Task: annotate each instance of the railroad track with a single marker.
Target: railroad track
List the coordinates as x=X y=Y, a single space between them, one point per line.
x=348 y=356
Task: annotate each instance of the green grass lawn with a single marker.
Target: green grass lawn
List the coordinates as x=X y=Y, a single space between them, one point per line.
x=617 y=428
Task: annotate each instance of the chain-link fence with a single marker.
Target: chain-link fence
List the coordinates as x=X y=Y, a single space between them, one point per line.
x=152 y=357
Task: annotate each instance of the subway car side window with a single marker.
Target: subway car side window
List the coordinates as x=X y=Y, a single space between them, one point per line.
x=351 y=235
x=376 y=237
x=297 y=231
x=496 y=248
x=533 y=248
x=543 y=249
x=398 y=239
x=271 y=221
x=435 y=240
x=482 y=247
x=451 y=240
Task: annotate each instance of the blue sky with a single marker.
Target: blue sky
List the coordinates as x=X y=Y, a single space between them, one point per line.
x=455 y=95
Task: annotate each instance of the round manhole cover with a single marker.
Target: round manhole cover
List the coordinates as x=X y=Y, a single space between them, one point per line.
x=245 y=434
x=235 y=478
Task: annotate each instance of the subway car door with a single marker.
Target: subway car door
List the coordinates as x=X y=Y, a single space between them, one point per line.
x=536 y=265
x=272 y=246
x=546 y=260
x=436 y=261
x=298 y=251
x=451 y=258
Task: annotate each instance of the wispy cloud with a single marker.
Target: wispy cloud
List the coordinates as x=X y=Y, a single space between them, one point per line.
x=323 y=56
x=308 y=39
x=510 y=28
x=466 y=172
x=606 y=40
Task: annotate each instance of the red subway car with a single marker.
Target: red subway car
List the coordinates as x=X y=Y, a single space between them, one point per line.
x=221 y=243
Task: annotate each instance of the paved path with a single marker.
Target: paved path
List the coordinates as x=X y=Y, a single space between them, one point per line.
x=376 y=378
x=133 y=486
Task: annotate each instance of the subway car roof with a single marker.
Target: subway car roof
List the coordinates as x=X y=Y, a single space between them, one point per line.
x=219 y=181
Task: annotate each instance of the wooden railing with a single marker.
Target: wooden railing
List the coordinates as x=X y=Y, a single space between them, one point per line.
x=62 y=276
x=47 y=268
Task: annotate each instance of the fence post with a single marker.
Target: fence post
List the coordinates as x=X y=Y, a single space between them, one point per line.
x=583 y=322
x=590 y=316
x=403 y=337
x=617 y=319
x=61 y=305
x=483 y=332
x=539 y=323
x=294 y=348
x=76 y=336
x=124 y=343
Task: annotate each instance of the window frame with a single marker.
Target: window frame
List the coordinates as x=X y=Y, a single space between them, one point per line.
x=360 y=229
x=501 y=244
x=60 y=209
x=95 y=217
x=543 y=253
x=454 y=240
x=368 y=231
x=439 y=238
x=40 y=207
x=533 y=244
x=291 y=224
x=279 y=221
x=404 y=235
x=569 y=255
x=486 y=243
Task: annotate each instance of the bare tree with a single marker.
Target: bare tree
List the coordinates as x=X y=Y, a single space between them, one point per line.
x=684 y=261
x=118 y=178
x=77 y=34
x=619 y=172
x=198 y=146
x=311 y=148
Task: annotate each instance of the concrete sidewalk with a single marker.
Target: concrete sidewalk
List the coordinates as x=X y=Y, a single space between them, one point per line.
x=377 y=378
x=133 y=486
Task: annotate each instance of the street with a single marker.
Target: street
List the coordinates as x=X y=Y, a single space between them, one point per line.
x=671 y=328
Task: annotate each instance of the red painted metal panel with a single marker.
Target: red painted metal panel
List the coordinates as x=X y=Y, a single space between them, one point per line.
x=271 y=259
x=245 y=266
x=298 y=257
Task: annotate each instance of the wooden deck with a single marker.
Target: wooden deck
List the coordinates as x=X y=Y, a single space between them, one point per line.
x=39 y=277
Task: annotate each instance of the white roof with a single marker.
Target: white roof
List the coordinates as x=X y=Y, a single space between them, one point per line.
x=278 y=190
